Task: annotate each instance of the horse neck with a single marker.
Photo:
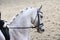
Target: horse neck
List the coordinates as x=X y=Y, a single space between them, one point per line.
x=23 y=20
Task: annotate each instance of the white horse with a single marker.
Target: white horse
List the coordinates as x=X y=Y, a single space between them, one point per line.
x=24 y=19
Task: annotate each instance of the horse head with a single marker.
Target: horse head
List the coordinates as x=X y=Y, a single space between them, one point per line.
x=38 y=22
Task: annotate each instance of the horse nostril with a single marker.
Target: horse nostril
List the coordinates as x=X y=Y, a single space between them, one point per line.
x=42 y=30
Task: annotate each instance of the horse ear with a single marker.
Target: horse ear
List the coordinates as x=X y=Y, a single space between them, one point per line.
x=40 y=7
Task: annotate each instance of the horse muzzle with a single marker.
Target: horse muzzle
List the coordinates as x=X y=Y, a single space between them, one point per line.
x=40 y=30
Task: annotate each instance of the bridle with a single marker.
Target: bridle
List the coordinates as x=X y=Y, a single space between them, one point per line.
x=38 y=15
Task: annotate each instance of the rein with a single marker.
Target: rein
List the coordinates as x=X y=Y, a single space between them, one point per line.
x=20 y=27
x=38 y=11
x=27 y=27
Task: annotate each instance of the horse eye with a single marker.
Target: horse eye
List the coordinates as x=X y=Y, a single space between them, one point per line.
x=41 y=16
